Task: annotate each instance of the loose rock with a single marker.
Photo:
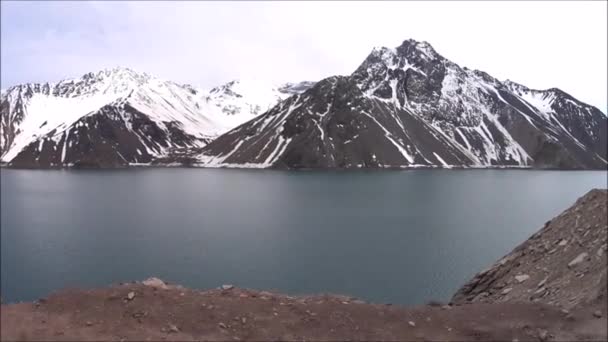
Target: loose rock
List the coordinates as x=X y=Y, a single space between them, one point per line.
x=543 y=334
x=579 y=259
x=155 y=283
x=522 y=277
x=130 y=295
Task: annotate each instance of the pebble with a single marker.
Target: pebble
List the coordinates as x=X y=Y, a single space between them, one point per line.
x=522 y=277
x=89 y=323
x=243 y=320
x=412 y=324
x=155 y=283
x=226 y=287
x=543 y=334
x=579 y=259
x=173 y=328
x=597 y=314
x=222 y=325
x=507 y=290
x=130 y=295
x=563 y=242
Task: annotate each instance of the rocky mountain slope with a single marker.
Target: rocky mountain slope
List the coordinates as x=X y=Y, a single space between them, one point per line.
x=563 y=264
x=410 y=106
x=118 y=117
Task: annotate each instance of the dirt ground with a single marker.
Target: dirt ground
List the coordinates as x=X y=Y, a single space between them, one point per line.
x=175 y=313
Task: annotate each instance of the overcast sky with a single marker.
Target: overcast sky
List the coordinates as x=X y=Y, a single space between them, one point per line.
x=539 y=44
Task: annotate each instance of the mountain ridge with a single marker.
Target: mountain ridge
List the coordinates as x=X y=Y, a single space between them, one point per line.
x=36 y=116
x=465 y=112
x=414 y=108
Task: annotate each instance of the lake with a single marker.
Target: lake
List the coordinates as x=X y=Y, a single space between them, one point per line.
x=403 y=237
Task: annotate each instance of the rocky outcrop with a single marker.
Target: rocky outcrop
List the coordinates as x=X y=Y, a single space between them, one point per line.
x=563 y=264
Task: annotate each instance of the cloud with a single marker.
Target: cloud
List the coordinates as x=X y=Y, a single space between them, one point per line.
x=539 y=44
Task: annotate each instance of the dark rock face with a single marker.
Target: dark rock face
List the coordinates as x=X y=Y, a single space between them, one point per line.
x=411 y=106
x=102 y=140
x=334 y=125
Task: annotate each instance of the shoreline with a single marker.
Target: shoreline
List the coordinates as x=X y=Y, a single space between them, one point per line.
x=550 y=287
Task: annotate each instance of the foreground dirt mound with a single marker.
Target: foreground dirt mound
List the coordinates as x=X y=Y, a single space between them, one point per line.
x=563 y=264
x=154 y=313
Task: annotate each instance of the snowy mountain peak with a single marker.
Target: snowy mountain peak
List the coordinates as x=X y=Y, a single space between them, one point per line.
x=411 y=106
x=418 y=49
x=161 y=115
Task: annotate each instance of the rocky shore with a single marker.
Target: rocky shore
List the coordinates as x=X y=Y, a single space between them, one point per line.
x=550 y=288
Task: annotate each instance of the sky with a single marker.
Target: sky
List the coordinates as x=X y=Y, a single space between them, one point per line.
x=539 y=44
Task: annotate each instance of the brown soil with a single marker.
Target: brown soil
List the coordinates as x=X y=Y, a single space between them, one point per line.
x=238 y=314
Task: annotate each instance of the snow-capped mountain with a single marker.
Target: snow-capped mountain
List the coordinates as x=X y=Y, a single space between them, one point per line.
x=119 y=117
x=409 y=106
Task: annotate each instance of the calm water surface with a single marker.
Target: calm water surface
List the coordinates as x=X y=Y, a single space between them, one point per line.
x=386 y=236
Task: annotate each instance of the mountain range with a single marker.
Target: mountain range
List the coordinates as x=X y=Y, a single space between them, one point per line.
x=402 y=107
x=119 y=117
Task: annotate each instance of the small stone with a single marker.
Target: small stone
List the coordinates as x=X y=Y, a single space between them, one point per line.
x=522 y=277
x=243 y=320
x=447 y=307
x=542 y=282
x=579 y=259
x=138 y=314
x=173 y=328
x=155 y=283
x=507 y=290
x=222 y=325
x=227 y=287
x=565 y=311
x=563 y=242
x=89 y=323
x=130 y=295
x=543 y=334
x=597 y=314
x=412 y=324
